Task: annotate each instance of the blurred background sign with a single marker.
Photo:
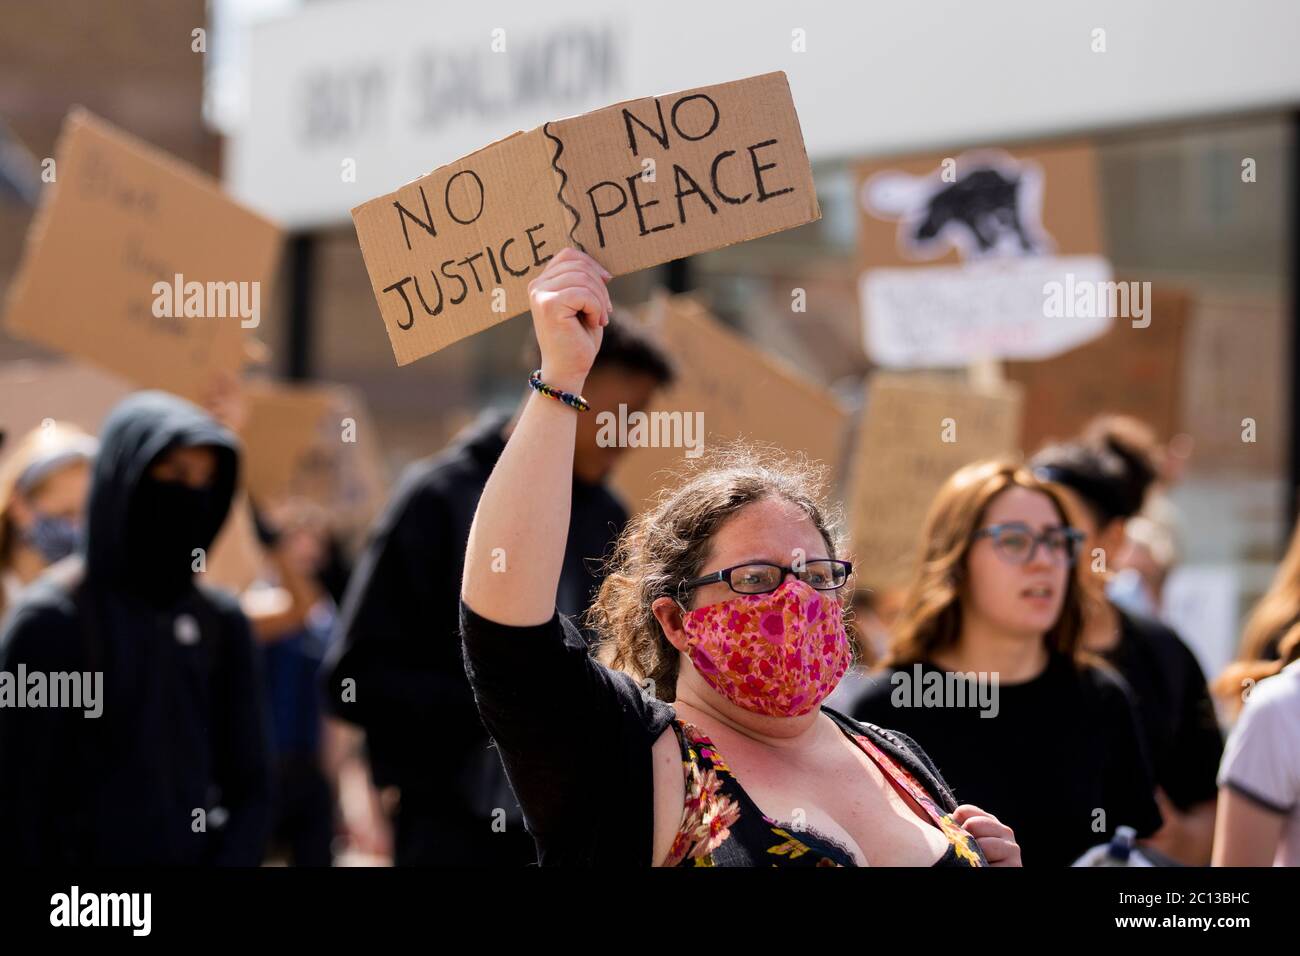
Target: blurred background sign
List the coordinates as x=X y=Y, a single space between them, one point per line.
x=738 y=391
x=141 y=264
x=958 y=251
x=915 y=431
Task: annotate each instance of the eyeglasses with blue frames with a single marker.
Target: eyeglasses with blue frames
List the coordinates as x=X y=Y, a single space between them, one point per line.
x=824 y=574
x=1016 y=543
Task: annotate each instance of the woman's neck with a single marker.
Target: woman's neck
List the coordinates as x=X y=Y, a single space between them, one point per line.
x=1015 y=658
x=781 y=733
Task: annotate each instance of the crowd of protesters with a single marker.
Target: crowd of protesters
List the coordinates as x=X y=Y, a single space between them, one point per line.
x=516 y=671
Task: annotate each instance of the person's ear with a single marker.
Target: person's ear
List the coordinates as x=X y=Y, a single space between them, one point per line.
x=669 y=615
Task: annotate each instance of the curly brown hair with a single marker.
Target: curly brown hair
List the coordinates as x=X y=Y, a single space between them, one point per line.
x=668 y=543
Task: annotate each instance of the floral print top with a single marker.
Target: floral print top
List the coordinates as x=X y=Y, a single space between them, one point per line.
x=722 y=826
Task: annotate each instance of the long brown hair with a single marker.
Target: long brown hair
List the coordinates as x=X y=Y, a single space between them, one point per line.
x=931 y=618
x=667 y=544
x=1278 y=610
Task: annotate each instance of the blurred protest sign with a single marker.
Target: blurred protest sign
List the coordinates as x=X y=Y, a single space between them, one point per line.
x=1236 y=351
x=958 y=254
x=236 y=557
x=726 y=388
x=140 y=264
x=1134 y=371
x=65 y=391
x=634 y=184
x=315 y=442
x=916 y=431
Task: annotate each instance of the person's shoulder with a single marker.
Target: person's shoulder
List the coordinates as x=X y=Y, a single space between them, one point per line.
x=43 y=625
x=1095 y=676
x=224 y=607
x=640 y=700
x=902 y=748
x=1280 y=693
x=1156 y=636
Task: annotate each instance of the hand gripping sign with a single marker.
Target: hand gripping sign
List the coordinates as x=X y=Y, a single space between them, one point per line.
x=633 y=185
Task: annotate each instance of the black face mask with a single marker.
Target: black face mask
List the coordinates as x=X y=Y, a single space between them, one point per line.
x=168 y=521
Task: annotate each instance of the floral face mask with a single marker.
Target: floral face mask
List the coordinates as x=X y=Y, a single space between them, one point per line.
x=779 y=654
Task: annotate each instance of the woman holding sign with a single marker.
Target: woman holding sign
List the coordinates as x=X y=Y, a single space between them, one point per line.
x=724 y=601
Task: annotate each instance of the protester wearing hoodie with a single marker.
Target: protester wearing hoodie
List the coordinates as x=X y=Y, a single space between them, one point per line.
x=174 y=770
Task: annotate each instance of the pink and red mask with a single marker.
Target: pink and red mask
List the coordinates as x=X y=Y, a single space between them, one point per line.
x=779 y=654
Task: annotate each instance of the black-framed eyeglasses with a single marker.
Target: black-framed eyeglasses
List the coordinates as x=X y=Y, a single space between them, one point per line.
x=1016 y=543
x=824 y=574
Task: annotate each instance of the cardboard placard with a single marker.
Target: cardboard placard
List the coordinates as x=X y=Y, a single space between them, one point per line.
x=236 y=558
x=1046 y=195
x=958 y=252
x=1133 y=371
x=99 y=277
x=315 y=442
x=738 y=390
x=916 y=431
x=634 y=185
x=67 y=392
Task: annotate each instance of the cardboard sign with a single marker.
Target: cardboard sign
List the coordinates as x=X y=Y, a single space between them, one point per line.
x=67 y=392
x=140 y=264
x=634 y=185
x=315 y=442
x=915 y=432
x=1134 y=371
x=236 y=558
x=958 y=253
x=732 y=389
x=1237 y=363
x=978 y=204
x=951 y=316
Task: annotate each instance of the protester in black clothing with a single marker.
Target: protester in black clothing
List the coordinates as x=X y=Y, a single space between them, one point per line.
x=1105 y=479
x=1053 y=747
x=723 y=613
x=174 y=770
x=400 y=632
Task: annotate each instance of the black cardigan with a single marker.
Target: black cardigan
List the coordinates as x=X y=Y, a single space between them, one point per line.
x=576 y=738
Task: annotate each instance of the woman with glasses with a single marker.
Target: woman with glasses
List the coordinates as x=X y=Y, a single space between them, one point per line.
x=985 y=671
x=703 y=744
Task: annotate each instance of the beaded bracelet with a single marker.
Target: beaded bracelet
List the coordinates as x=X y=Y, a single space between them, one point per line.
x=550 y=391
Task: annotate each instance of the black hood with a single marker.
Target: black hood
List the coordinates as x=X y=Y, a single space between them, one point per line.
x=137 y=431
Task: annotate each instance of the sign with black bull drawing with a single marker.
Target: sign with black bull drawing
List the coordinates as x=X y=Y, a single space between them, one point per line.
x=634 y=185
x=960 y=255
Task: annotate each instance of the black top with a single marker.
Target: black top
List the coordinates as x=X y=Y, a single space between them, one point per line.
x=399 y=629
x=1061 y=761
x=183 y=724
x=557 y=716
x=1179 y=725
